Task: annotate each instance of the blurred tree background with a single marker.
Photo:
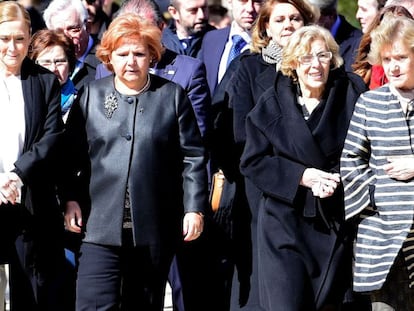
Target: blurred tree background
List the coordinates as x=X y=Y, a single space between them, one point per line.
x=348 y=8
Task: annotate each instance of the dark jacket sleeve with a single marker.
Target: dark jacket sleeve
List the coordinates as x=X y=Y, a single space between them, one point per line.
x=199 y=96
x=44 y=124
x=274 y=175
x=194 y=157
x=74 y=184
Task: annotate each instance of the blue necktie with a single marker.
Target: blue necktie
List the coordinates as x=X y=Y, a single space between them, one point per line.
x=236 y=48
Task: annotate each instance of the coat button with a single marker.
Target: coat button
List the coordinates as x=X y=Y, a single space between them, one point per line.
x=127 y=136
x=130 y=100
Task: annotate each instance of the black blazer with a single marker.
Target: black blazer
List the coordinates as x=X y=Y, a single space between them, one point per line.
x=88 y=71
x=38 y=218
x=150 y=143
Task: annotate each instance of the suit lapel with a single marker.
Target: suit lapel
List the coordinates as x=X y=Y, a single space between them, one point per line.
x=31 y=88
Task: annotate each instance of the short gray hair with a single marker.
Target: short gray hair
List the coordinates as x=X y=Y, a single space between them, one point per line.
x=56 y=7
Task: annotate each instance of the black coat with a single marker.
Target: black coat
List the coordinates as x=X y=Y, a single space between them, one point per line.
x=246 y=79
x=37 y=223
x=348 y=38
x=149 y=143
x=303 y=243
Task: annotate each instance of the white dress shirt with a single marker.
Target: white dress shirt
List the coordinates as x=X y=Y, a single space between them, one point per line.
x=12 y=121
x=234 y=30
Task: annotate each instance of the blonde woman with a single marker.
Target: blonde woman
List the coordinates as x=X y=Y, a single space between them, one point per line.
x=294 y=138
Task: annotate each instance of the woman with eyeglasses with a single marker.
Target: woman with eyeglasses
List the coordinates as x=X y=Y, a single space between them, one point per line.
x=31 y=222
x=246 y=78
x=55 y=51
x=294 y=138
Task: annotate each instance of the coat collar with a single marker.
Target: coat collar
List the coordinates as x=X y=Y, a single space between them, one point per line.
x=326 y=138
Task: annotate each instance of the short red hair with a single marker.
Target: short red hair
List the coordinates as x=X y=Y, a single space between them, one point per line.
x=129 y=26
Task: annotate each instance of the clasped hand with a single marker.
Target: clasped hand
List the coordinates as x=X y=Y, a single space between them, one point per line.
x=10 y=185
x=400 y=168
x=323 y=184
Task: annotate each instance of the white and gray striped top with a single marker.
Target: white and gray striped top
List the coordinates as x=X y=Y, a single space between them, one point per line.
x=384 y=207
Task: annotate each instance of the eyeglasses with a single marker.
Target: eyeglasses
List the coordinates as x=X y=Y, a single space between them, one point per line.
x=323 y=57
x=48 y=62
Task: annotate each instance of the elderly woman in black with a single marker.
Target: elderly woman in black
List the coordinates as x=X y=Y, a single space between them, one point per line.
x=134 y=137
x=294 y=138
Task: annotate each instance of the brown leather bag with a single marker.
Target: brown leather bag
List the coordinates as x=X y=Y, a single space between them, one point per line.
x=216 y=192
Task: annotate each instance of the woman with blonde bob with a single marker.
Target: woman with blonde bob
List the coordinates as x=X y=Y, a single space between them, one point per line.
x=294 y=138
x=133 y=139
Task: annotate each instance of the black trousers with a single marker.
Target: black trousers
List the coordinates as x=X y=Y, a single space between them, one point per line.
x=34 y=259
x=120 y=278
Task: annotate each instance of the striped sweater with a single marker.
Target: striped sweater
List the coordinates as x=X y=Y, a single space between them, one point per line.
x=383 y=207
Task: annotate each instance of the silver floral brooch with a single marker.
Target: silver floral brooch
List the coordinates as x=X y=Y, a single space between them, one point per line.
x=110 y=105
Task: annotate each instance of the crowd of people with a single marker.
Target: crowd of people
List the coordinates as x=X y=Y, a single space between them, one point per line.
x=115 y=118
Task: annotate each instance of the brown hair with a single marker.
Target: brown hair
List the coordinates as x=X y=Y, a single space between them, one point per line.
x=12 y=11
x=127 y=26
x=260 y=39
x=46 y=38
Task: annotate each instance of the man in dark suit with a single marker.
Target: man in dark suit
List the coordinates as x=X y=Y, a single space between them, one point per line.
x=189 y=24
x=347 y=36
x=71 y=17
x=97 y=19
x=216 y=49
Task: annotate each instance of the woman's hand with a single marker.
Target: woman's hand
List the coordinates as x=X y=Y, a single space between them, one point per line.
x=73 y=217
x=400 y=168
x=323 y=184
x=193 y=225
x=10 y=185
